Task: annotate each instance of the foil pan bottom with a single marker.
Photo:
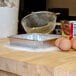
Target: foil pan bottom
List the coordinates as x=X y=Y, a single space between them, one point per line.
x=27 y=49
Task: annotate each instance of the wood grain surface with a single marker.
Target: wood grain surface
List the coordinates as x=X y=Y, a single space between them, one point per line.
x=4 y=73
x=55 y=63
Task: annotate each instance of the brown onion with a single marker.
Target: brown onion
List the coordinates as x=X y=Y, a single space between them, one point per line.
x=65 y=44
x=73 y=43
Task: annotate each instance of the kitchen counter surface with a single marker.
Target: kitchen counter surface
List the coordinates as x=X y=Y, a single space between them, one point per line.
x=37 y=64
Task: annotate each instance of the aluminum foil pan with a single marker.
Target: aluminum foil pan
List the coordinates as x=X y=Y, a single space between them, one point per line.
x=34 y=40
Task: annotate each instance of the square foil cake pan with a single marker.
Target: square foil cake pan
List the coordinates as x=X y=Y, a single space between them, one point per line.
x=34 y=40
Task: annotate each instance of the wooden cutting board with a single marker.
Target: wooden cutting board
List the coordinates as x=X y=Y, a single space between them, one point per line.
x=4 y=73
x=37 y=64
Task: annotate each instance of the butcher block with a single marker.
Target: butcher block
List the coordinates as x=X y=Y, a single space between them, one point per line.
x=23 y=63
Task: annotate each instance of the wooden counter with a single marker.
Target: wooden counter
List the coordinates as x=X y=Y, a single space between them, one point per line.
x=37 y=64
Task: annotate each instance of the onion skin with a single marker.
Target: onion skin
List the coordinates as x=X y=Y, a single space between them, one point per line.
x=57 y=42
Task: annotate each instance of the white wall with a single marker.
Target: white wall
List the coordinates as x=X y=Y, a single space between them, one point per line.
x=71 y=4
